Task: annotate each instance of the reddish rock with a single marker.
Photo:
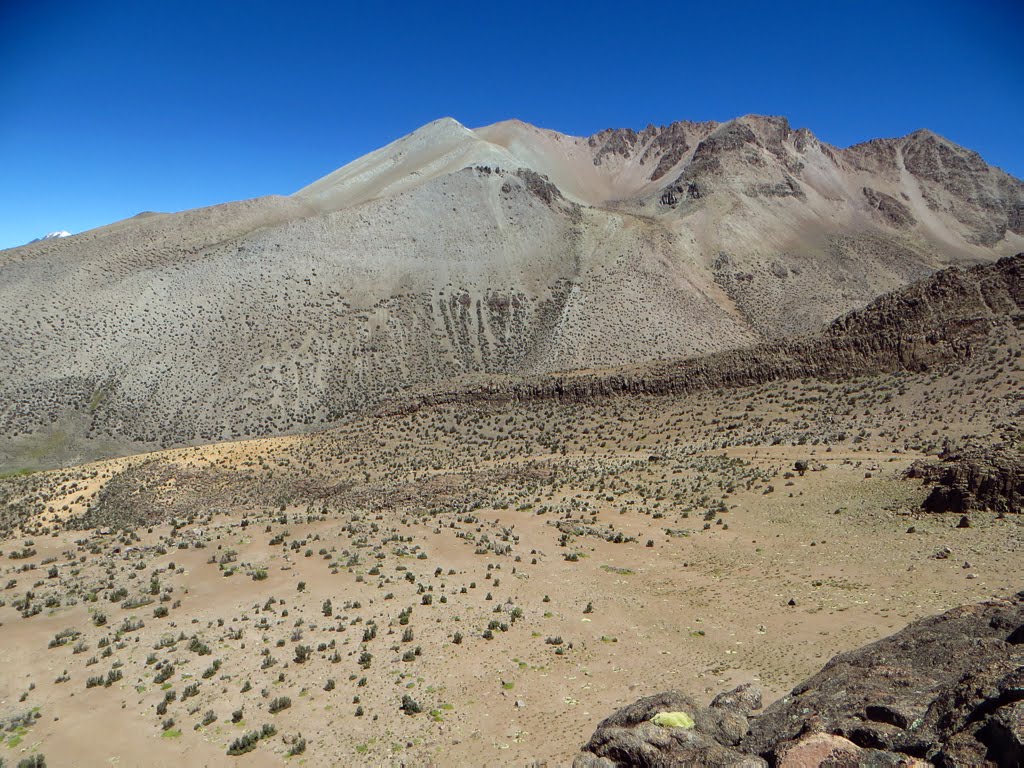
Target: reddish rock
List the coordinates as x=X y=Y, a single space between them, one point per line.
x=819 y=749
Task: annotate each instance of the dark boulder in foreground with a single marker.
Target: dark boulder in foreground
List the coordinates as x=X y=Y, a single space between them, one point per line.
x=947 y=690
x=631 y=737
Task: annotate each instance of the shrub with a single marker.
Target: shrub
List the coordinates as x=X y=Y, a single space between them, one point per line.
x=410 y=706
x=279 y=703
x=132 y=624
x=243 y=744
x=247 y=743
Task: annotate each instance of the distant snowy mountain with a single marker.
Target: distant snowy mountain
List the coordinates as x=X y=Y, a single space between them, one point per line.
x=51 y=236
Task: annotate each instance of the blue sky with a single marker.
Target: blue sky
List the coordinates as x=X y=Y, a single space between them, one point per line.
x=112 y=108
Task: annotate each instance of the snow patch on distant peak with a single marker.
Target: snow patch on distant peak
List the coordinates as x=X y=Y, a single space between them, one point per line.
x=51 y=236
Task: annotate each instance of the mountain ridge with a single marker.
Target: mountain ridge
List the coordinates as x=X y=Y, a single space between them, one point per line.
x=507 y=250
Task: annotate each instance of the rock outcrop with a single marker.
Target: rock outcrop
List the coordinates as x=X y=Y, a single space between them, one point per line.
x=981 y=474
x=947 y=690
x=971 y=483
x=891 y=209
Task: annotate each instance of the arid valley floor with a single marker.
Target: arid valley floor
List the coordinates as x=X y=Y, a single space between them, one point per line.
x=517 y=571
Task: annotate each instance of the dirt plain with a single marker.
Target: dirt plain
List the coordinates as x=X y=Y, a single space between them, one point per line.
x=516 y=570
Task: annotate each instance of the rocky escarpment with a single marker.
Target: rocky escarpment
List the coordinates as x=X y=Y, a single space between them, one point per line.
x=664 y=145
x=947 y=690
x=975 y=477
x=939 y=320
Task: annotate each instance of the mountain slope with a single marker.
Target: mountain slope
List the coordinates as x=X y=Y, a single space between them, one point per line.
x=509 y=249
x=937 y=321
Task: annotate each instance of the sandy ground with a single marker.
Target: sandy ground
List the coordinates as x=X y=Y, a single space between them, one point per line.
x=587 y=554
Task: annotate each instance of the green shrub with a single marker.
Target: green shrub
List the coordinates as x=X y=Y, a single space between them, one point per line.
x=279 y=703
x=410 y=706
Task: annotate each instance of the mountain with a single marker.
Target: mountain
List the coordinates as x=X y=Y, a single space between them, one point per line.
x=507 y=249
x=51 y=236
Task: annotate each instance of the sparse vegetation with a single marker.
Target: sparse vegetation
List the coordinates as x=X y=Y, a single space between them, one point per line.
x=491 y=555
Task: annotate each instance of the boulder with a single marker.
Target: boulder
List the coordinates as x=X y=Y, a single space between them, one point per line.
x=819 y=748
x=630 y=738
x=977 y=477
x=928 y=690
x=947 y=690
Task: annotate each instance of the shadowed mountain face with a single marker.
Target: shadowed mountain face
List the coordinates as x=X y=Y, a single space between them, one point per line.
x=508 y=249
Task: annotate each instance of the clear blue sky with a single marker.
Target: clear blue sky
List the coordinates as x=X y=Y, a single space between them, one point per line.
x=111 y=108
